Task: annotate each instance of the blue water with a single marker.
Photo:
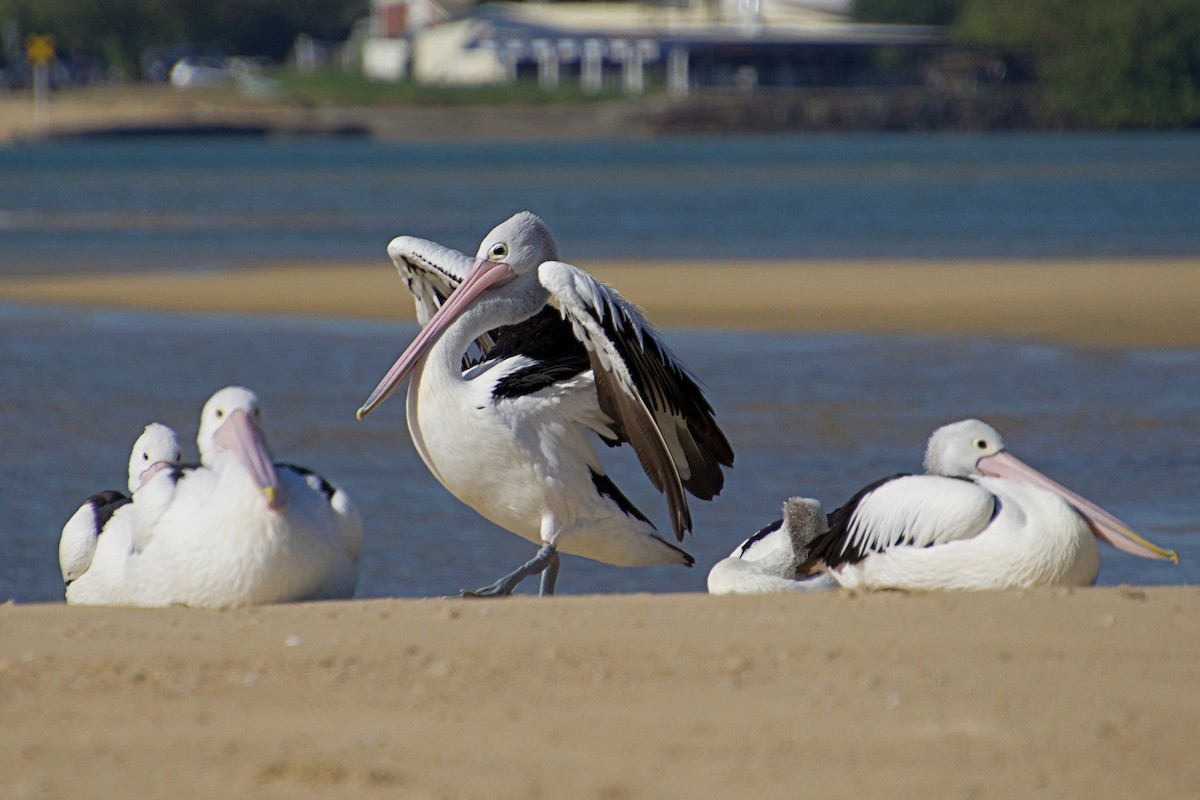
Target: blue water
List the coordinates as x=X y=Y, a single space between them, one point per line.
x=86 y=205
x=808 y=415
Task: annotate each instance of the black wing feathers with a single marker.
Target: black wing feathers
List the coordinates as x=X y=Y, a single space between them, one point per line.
x=104 y=505
x=760 y=534
x=545 y=338
x=835 y=547
x=324 y=486
x=666 y=385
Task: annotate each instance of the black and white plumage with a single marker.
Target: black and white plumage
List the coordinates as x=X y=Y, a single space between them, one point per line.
x=562 y=357
x=236 y=529
x=110 y=513
x=770 y=560
x=979 y=519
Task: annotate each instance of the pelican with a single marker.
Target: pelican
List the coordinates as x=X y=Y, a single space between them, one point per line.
x=980 y=519
x=239 y=529
x=91 y=564
x=522 y=361
x=768 y=561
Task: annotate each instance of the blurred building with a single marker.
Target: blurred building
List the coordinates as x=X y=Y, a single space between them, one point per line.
x=681 y=43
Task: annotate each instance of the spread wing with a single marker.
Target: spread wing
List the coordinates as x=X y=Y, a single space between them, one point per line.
x=655 y=403
x=432 y=271
x=903 y=510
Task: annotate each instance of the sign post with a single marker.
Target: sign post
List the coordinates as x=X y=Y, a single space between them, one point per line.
x=39 y=52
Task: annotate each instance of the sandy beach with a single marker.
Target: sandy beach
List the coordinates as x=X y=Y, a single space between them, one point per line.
x=1037 y=694
x=1085 y=693
x=1138 y=303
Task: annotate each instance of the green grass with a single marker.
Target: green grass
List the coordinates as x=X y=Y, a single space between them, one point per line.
x=336 y=87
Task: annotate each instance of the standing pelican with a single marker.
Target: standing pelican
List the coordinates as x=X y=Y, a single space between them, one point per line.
x=91 y=564
x=981 y=519
x=561 y=358
x=239 y=529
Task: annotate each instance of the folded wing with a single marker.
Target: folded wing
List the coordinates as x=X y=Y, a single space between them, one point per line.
x=903 y=510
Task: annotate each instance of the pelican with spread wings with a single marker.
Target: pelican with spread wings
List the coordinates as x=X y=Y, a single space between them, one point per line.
x=522 y=362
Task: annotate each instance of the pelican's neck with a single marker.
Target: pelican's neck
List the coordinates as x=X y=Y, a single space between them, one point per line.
x=508 y=305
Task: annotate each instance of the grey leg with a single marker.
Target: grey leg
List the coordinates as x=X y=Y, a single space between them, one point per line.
x=546 y=558
x=549 y=576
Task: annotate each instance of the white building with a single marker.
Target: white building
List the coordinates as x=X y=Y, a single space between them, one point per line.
x=685 y=43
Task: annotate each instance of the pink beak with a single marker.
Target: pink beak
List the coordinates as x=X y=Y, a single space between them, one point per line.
x=152 y=470
x=241 y=436
x=1103 y=524
x=483 y=276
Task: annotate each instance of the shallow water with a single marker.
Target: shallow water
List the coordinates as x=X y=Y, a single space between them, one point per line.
x=213 y=203
x=808 y=415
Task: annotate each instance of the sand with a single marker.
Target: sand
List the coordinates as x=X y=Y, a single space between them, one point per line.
x=1063 y=694
x=1055 y=693
x=102 y=109
x=1146 y=303
x=1085 y=693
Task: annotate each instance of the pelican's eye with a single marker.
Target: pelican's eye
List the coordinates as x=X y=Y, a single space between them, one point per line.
x=497 y=251
x=981 y=444
x=145 y=456
x=220 y=413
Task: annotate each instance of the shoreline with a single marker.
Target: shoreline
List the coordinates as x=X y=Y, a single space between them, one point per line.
x=1150 y=302
x=139 y=110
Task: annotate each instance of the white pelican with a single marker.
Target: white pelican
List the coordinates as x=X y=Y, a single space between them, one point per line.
x=240 y=530
x=769 y=560
x=561 y=358
x=981 y=519
x=91 y=565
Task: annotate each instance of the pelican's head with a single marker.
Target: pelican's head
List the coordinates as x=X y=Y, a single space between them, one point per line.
x=955 y=450
x=156 y=449
x=522 y=242
x=229 y=425
x=514 y=248
x=974 y=449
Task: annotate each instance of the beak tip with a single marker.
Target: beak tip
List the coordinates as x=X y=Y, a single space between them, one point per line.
x=360 y=414
x=276 y=498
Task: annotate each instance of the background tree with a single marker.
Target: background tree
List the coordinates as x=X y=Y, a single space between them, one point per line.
x=1101 y=62
x=120 y=31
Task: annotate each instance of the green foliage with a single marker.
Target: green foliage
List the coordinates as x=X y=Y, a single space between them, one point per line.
x=121 y=30
x=908 y=12
x=1102 y=62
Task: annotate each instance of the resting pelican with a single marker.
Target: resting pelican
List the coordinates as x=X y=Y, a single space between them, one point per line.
x=91 y=564
x=981 y=519
x=239 y=529
x=562 y=358
x=768 y=561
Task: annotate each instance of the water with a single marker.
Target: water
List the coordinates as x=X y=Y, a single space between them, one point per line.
x=211 y=204
x=808 y=415
x=811 y=415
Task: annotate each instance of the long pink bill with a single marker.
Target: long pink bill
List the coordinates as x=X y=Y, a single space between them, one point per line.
x=152 y=470
x=483 y=276
x=1102 y=523
x=241 y=436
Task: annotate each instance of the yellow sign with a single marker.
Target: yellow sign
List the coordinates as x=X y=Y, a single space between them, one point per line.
x=39 y=48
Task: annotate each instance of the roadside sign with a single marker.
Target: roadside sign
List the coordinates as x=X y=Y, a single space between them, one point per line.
x=39 y=48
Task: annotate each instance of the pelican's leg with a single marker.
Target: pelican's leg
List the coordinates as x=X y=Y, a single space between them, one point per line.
x=546 y=559
x=549 y=576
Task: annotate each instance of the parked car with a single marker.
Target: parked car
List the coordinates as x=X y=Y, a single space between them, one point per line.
x=194 y=72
